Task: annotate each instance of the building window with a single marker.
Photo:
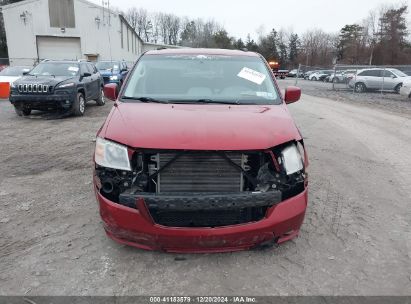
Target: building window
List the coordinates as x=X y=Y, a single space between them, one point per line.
x=61 y=13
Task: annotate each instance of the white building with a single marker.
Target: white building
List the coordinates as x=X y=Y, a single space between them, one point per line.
x=67 y=29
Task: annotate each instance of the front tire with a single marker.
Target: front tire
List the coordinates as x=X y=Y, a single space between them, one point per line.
x=22 y=112
x=360 y=87
x=101 y=100
x=79 y=105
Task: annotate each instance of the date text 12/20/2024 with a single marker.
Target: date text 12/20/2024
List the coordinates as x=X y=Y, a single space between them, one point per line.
x=203 y=299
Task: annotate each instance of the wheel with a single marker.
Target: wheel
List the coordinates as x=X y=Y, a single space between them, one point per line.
x=360 y=87
x=398 y=88
x=22 y=112
x=101 y=100
x=314 y=79
x=79 y=105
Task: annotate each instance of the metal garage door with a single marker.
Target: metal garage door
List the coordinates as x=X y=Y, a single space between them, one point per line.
x=58 y=48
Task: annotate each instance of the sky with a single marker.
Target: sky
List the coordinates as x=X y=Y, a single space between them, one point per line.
x=245 y=17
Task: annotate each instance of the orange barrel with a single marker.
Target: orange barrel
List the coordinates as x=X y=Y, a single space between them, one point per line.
x=4 y=90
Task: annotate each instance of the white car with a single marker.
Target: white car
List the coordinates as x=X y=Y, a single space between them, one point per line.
x=8 y=76
x=11 y=74
x=320 y=75
x=406 y=88
x=378 y=79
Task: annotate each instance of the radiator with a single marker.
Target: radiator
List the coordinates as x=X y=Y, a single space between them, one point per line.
x=199 y=172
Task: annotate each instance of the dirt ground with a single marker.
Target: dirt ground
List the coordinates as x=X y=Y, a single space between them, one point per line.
x=356 y=239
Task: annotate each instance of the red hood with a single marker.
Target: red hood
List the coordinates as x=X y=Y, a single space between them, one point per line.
x=200 y=127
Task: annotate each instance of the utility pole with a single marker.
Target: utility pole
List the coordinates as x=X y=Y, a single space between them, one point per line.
x=107 y=3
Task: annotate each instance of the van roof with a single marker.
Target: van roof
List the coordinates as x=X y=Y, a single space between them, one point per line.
x=202 y=51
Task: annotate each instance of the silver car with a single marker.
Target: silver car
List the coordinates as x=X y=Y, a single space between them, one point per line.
x=378 y=79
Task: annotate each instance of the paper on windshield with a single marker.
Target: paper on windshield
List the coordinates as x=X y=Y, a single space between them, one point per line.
x=73 y=69
x=252 y=75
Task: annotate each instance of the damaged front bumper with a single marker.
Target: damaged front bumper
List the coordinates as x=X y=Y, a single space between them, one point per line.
x=132 y=221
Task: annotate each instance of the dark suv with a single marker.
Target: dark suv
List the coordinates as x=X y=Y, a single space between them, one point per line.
x=65 y=85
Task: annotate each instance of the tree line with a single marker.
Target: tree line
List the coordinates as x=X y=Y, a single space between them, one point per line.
x=382 y=38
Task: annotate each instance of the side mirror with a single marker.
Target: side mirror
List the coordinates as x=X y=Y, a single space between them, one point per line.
x=111 y=91
x=292 y=94
x=25 y=73
x=393 y=76
x=86 y=74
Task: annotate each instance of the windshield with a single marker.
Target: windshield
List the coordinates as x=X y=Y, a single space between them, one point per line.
x=14 y=71
x=55 y=69
x=107 y=65
x=202 y=78
x=399 y=73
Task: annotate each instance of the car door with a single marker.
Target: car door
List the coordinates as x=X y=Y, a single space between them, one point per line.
x=374 y=79
x=95 y=80
x=86 y=81
x=390 y=80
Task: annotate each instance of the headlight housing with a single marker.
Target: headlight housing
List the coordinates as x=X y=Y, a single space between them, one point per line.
x=292 y=159
x=115 y=77
x=111 y=155
x=66 y=85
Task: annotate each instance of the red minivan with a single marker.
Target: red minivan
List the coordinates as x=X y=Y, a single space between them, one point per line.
x=200 y=154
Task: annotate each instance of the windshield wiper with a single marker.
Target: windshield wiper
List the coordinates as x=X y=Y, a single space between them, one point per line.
x=145 y=99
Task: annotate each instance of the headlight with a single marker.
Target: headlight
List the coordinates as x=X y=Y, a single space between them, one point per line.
x=115 y=77
x=111 y=155
x=13 y=85
x=292 y=159
x=66 y=85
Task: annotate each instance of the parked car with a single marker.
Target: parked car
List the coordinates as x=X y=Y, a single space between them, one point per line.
x=8 y=76
x=308 y=74
x=113 y=71
x=378 y=79
x=406 y=88
x=293 y=73
x=319 y=75
x=342 y=76
x=66 y=85
x=209 y=160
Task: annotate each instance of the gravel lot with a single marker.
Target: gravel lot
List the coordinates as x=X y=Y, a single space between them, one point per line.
x=355 y=239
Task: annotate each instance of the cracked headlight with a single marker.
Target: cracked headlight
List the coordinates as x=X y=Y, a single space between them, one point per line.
x=66 y=85
x=111 y=155
x=292 y=159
